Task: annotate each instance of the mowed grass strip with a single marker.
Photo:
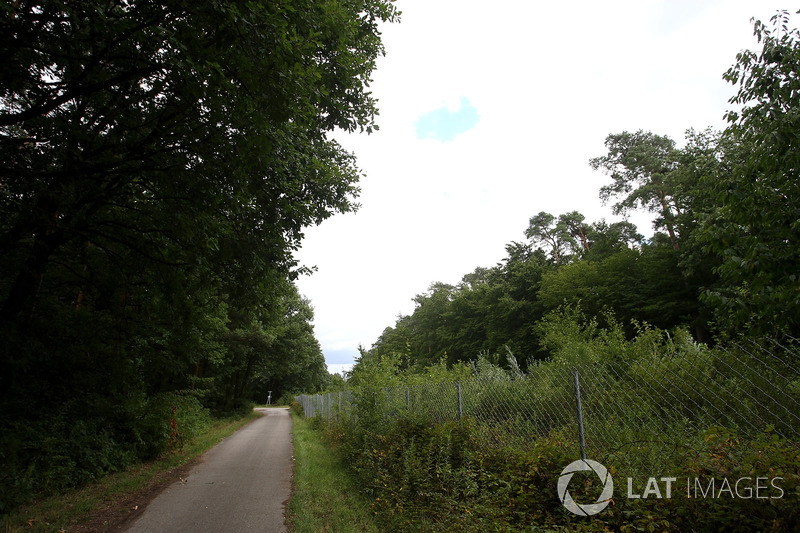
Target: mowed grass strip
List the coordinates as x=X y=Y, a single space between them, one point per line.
x=325 y=497
x=115 y=497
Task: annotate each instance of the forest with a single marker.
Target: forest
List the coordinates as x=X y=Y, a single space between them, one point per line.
x=159 y=162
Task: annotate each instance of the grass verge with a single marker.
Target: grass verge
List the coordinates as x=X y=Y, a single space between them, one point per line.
x=116 y=498
x=325 y=497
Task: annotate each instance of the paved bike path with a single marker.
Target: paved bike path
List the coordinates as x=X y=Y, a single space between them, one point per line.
x=240 y=485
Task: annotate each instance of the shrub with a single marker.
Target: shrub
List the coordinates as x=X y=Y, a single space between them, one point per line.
x=297 y=408
x=653 y=406
x=168 y=421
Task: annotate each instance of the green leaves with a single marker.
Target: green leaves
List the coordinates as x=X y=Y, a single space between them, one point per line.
x=557 y=235
x=158 y=165
x=641 y=165
x=753 y=228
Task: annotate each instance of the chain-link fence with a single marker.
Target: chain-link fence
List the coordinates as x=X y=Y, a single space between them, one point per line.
x=633 y=414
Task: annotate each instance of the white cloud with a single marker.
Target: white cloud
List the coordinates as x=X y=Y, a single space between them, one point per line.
x=446 y=123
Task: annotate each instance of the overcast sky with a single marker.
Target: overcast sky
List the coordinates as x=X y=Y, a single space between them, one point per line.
x=489 y=114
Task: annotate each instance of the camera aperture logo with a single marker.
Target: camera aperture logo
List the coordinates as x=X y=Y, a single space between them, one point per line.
x=585 y=509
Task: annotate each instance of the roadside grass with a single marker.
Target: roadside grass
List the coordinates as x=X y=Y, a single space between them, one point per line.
x=73 y=509
x=325 y=497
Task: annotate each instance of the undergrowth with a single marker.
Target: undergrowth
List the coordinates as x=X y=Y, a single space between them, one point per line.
x=424 y=474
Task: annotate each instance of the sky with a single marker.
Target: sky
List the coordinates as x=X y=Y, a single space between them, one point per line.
x=489 y=114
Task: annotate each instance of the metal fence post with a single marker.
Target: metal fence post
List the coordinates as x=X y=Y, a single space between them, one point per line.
x=460 y=405
x=580 y=416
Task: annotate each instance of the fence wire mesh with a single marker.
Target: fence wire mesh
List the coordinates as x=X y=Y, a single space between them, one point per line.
x=634 y=413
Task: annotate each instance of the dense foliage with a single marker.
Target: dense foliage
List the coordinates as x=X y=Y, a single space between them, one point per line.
x=158 y=163
x=496 y=469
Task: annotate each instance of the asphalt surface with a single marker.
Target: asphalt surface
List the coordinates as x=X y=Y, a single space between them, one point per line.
x=240 y=485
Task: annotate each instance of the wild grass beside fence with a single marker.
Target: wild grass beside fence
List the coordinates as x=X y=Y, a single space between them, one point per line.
x=325 y=497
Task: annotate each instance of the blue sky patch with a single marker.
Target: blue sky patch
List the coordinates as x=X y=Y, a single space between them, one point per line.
x=444 y=125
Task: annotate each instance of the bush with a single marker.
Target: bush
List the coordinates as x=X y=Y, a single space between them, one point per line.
x=168 y=422
x=646 y=402
x=56 y=452
x=297 y=408
x=78 y=441
x=424 y=476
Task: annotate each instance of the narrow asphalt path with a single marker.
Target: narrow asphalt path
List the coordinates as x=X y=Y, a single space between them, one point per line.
x=240 y=485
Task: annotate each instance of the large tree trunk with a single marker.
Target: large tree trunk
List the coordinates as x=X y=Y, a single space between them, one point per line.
x=17 y=309
x=19 y=304
x=668 y=220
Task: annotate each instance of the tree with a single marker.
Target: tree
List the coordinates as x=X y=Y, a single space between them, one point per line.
x=159 y=162
x=575 y=226
x=643 y=285
x=112 y=113
x=429 y=324
x=545 y=229
x=754 y=226
x=293 y=362
x=640 y=165
x=605 y=239
x=162 y=134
